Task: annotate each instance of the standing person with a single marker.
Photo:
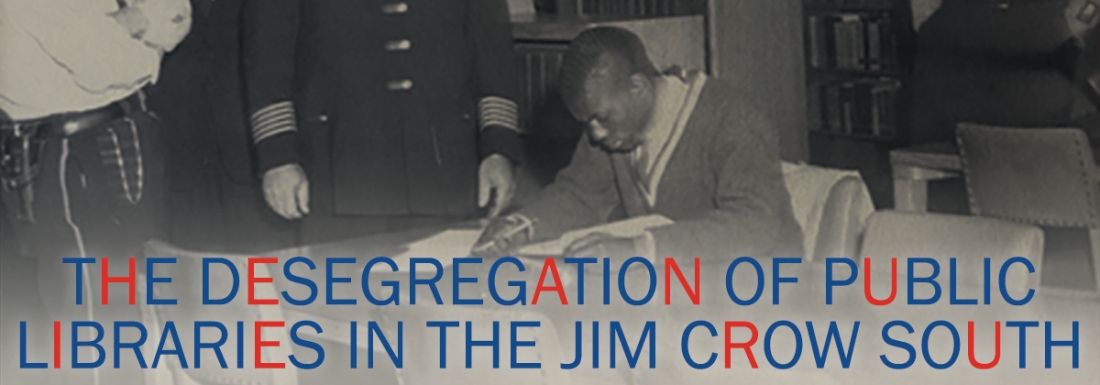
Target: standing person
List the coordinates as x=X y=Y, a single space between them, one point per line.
x=81 y=162
x=381 y=115
x=215 y=199
x=991 y=62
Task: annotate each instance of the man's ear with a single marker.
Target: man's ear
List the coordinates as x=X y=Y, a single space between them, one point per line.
x=640 y=84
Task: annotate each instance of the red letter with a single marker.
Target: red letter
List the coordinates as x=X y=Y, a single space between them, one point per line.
x=260 y=343
x=550 y=265
x=867 y=282
x=108 y=279
x=741 y=345
x=57 y=344
x=670 y=266
x=997 y=347
x=253 y=280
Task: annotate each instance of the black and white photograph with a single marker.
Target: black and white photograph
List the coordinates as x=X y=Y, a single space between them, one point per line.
x=611 y=192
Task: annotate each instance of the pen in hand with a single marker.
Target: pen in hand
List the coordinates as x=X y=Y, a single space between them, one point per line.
x=488 y=245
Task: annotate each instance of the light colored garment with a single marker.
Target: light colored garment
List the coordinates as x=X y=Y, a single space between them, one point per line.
x=68 y=55
x=676 y=100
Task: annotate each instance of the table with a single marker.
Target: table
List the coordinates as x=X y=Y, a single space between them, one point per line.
x=800 y=303
x=913 y=167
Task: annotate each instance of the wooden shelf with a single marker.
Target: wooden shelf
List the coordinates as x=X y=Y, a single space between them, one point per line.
x=817 y=9
x=853 y=33
x=823 y=72
x=565 y=28
x=860 y=137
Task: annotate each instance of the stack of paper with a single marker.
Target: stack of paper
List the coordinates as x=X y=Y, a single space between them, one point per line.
x=627 y=228
x=444 y=246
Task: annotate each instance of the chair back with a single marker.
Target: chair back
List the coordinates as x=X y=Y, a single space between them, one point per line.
x=1041 y=176
x=187 y=288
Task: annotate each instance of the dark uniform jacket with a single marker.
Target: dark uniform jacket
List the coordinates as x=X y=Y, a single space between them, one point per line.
x=1000 y=63
x=388 y=104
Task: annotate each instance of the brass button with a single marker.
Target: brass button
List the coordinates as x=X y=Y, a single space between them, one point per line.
x=395 y=8
x=400 y=85
x=70 y=128
x=398 y=45
x=323 y=118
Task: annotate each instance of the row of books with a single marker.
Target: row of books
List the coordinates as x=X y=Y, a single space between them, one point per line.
x=852 y=41
x=862 y=107
x=850 y=4
x=628 y=7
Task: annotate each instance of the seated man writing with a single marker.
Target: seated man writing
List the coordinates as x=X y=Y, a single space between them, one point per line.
x=680 y=145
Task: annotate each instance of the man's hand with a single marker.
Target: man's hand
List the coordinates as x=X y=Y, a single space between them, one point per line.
x=603 y=245
x=169 y=22
x=503 y=236
x=133 y=19
x=286 y=190
x=496 y=174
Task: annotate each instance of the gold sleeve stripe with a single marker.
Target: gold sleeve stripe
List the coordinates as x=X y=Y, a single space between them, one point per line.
x=498 y=111
x=272 y=120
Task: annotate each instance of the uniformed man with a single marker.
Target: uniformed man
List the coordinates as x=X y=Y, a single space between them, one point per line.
x=1003 y=62
x=80 y=156
x=381 y=115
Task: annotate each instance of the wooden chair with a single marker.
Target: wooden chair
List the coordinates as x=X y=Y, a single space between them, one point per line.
x=1045 y=177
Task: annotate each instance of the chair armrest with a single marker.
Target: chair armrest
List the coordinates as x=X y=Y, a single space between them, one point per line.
x=970 y=239
x=843 y=219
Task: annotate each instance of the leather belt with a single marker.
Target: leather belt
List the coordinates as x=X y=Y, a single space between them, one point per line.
x=23 y=141
x=64 y=124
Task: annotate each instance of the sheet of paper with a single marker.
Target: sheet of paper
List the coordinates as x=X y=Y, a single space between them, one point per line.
x=445 y=246
x=625 y=228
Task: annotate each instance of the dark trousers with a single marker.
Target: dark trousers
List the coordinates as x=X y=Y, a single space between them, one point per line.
x=100 y=193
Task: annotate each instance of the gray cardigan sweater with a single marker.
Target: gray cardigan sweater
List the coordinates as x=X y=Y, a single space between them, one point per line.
x=723 y=187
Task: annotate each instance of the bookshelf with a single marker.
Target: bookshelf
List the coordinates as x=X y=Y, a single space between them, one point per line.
x=857 y=66
x=858 y=60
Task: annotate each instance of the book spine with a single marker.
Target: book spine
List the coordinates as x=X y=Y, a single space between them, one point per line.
x=814 y=28
x=840 y=54
x=833 y=109
x=847 y=99
x=874 y=46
